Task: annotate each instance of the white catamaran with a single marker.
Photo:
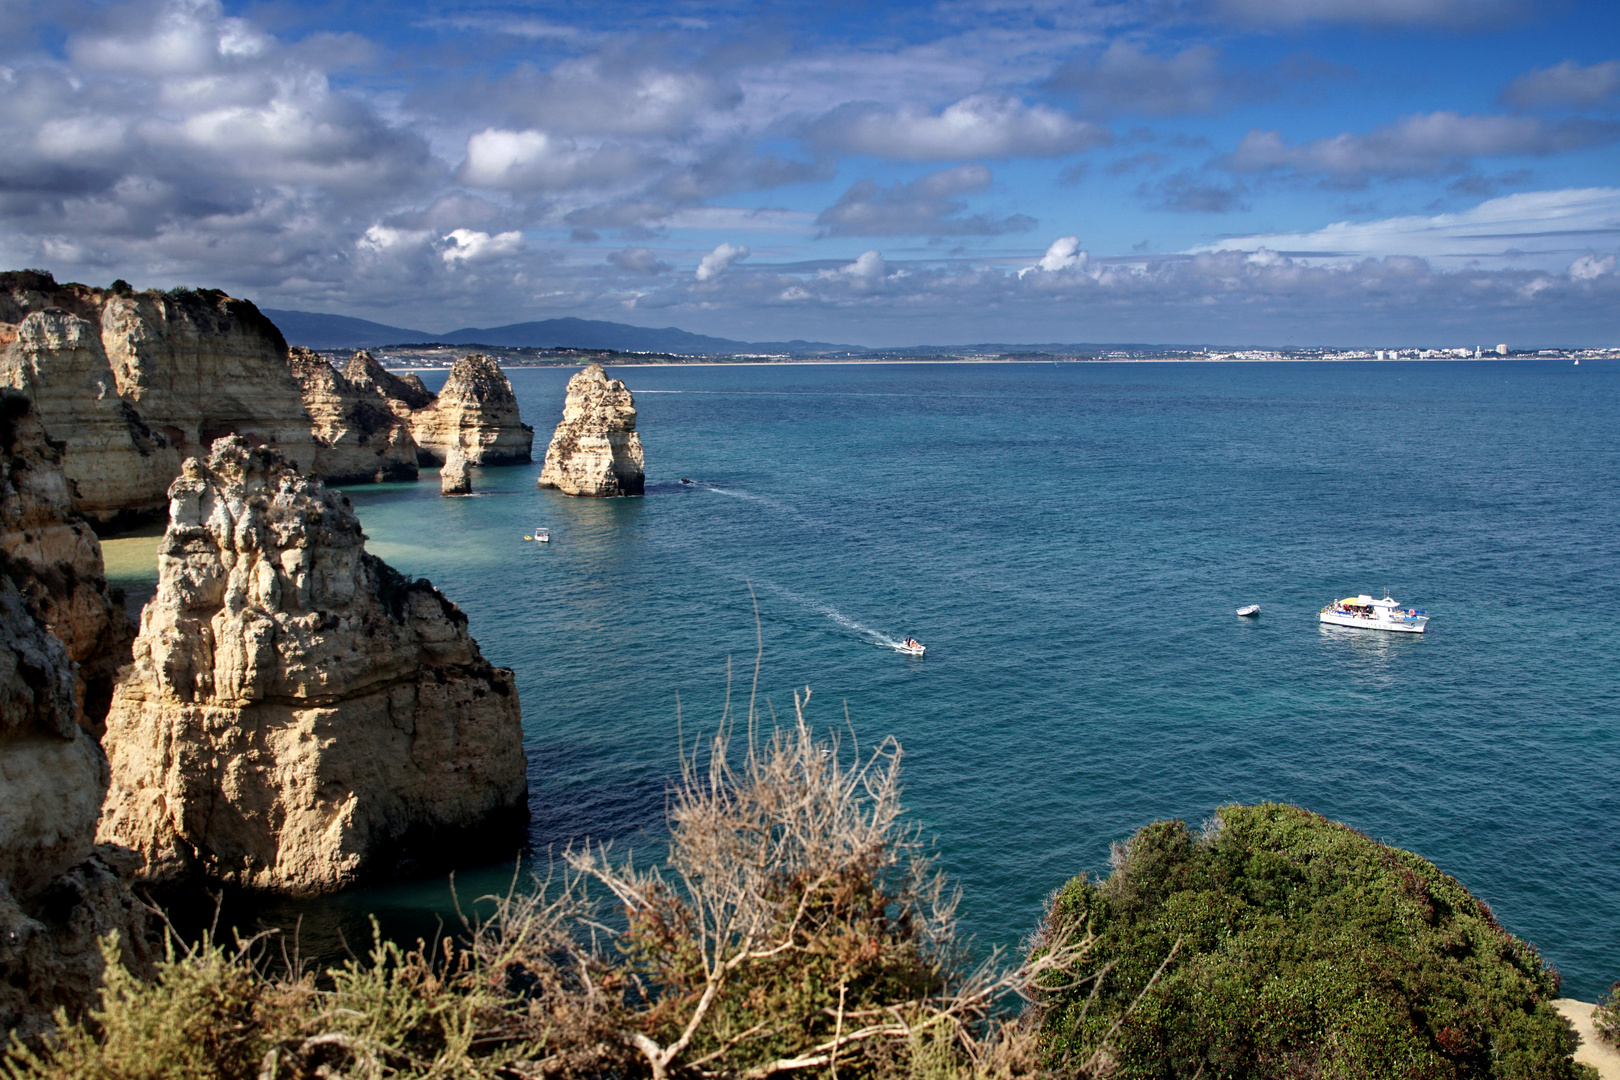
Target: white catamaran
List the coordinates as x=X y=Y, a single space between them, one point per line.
x=1368 y=614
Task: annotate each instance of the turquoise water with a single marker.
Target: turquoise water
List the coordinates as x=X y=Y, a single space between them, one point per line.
x=1070 y=541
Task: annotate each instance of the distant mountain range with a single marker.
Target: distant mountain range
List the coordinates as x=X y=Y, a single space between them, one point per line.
x=316 y=331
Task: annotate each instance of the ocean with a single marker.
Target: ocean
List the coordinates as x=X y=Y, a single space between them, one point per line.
x=1071 y=541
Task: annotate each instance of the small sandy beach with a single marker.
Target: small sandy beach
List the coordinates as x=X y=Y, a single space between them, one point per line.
x=1592 y=1051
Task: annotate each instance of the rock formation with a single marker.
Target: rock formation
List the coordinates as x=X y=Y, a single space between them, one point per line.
x=406 y=392
x=477 y=411
x=58 y=892
x=54 y=558
x=454 y=477
x=595 y=450
x=357 y=436
x=133 y=382
x=299 y=716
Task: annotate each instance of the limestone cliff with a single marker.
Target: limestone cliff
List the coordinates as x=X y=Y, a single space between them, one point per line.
x=58 y=892
x=455 y=478
x=133 y=382
x=476 y=411
x=299 y=716
x=54 y=558
x=595 y=450
x=357 y=437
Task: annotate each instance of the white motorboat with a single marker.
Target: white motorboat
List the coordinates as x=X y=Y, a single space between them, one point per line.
x=911 y=647
x=541 y=536
x=1365 y=613
x=1249 y=610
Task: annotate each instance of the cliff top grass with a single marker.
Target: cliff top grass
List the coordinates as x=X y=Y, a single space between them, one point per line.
x=1277 y=943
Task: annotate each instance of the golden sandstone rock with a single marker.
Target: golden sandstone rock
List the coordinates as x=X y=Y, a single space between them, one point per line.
x=595 y=450
x=299 y=716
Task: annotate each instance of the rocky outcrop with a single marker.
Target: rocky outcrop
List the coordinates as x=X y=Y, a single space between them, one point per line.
x=476 y=411
x=455 y=478
x=58 y=892
x=595 y=450
x=131 y=383
x=357 y=436
x=54 y=558
x=300 y=717
x=407 y=392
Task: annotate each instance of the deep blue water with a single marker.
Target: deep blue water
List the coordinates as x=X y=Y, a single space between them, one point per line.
x=1071 y=541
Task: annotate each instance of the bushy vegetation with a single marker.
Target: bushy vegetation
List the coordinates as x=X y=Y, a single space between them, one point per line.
x=796 y=925
x=1606 y=1017
x=1279 y=944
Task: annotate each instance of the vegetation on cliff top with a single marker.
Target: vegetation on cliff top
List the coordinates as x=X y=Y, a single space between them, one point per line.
x=1297 y=947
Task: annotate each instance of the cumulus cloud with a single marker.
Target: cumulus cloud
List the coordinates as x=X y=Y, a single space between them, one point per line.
x=980 y=126
x=470 y=246
x=1566 y=84
x=1420 y=145
x=637 y=260
x=537 y=160
x=719 y=260
x=929 y=206
x=1064 y=254
x=1588 y=267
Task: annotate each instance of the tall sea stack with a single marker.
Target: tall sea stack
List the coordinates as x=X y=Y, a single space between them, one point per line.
x=476 y=412
x=299 y=716
x=595 y=450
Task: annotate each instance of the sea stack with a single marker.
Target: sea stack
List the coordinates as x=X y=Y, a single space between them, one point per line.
x=299 y=717
x=358 y=438
x=59 y=893
x=455 y=478
x=595 y=450
x=133 y=382
x=475 y=411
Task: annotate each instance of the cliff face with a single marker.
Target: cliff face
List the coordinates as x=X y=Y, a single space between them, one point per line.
x=357 y=436
x=58 y=892
x=299 y=716
x=595 y=450
x=54 y=558
x=133 y=382
x=407 y=392
x=476 y=411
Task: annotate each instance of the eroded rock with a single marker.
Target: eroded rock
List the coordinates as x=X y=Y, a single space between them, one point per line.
x=477 y=412
x=299 y=716
x=58 y=892
x=595 y=450
x=357 y=436
x=455 y=478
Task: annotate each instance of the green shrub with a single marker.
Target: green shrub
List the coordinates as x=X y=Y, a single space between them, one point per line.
x=1606 y=1017
x=1281 y=944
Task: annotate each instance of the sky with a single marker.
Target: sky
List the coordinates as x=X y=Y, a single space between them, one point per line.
x=1364 y=173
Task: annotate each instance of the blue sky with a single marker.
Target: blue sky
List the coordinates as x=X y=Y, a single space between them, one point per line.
x=1357 y=172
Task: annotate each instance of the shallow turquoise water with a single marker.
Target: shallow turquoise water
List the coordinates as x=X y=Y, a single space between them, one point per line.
x=1071 y=540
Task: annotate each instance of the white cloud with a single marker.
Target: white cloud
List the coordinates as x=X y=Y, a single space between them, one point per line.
x=469 y=246
x=717 y=261
x=979 y=126
x=1588 y=267
x=1064 y=254
x=1531 y=230
x=1567 y=83
x=537 y=160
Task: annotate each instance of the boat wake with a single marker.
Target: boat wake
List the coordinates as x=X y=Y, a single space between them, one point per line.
x=876 y=637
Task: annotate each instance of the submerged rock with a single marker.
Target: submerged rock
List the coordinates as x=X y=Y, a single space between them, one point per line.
x=299 y=716
x=595 y=450
x=58 y=892
x=131 y=383
x=477 y=412
x=357 y=436
x=455 y=478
